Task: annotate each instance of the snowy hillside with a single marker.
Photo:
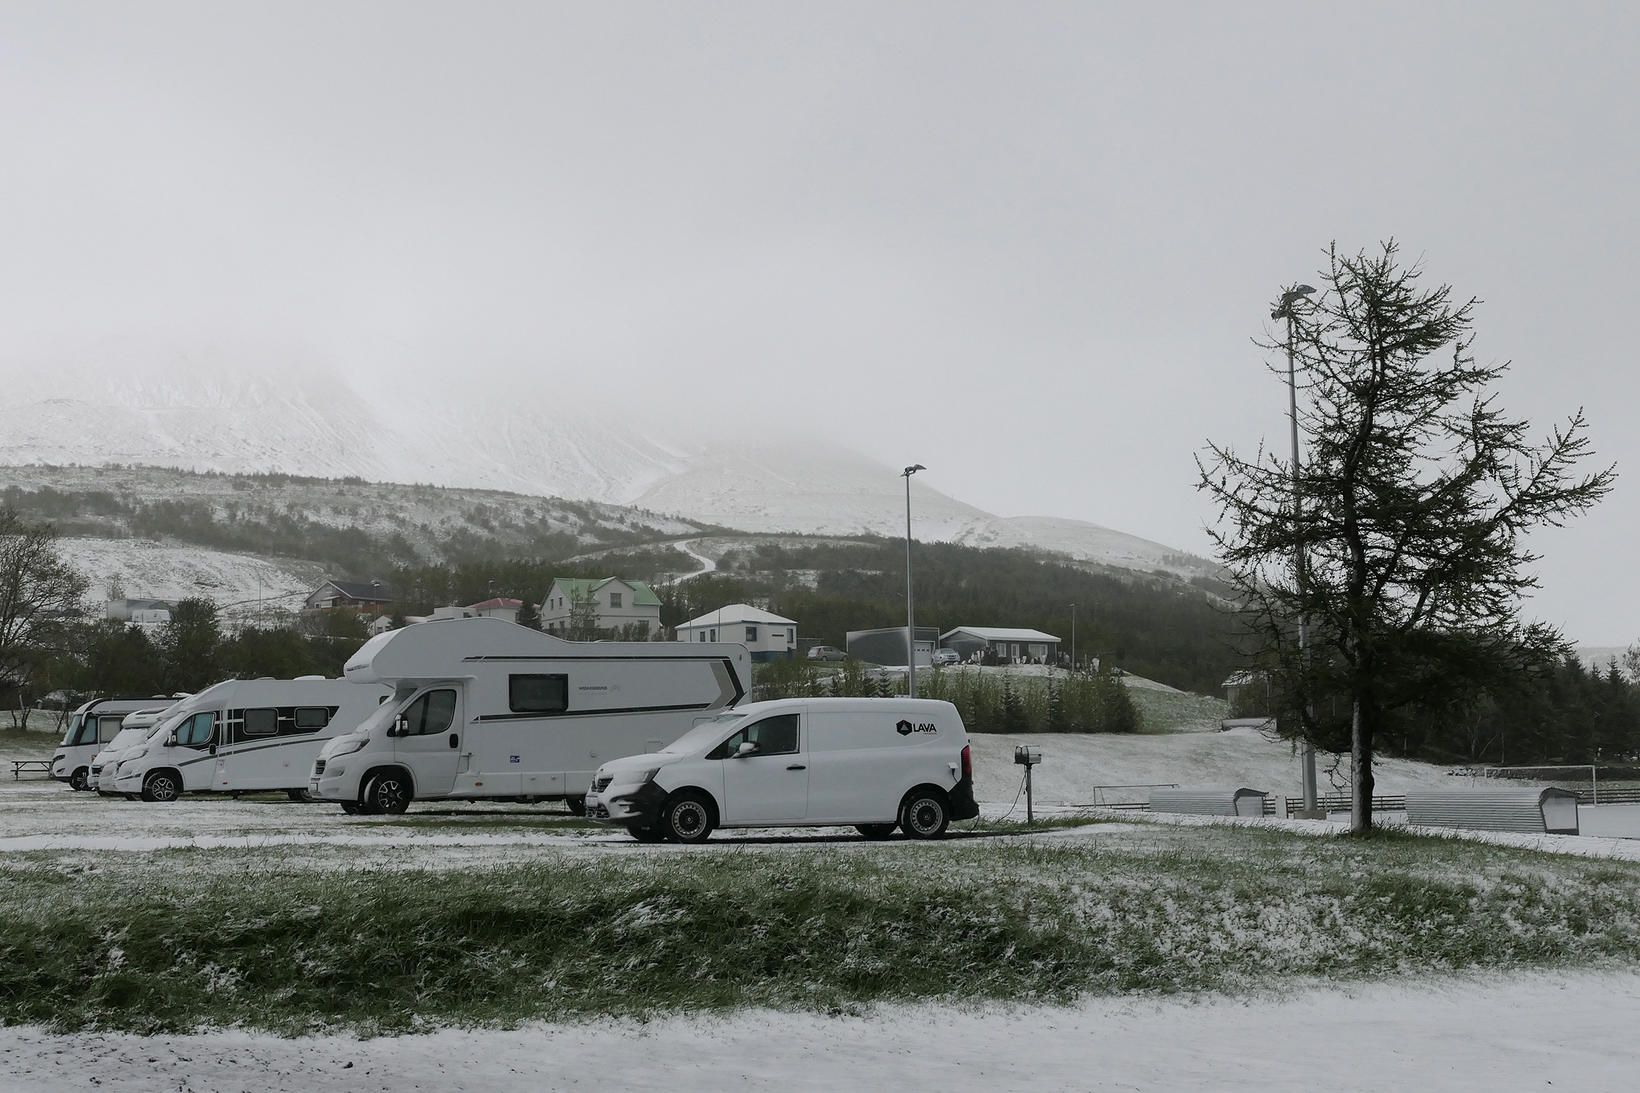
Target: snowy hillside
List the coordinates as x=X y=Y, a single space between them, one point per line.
x=238 y=583
x=307 y=421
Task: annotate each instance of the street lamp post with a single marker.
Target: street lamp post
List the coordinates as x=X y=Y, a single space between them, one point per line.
x=1284 y=310
x=910 y=617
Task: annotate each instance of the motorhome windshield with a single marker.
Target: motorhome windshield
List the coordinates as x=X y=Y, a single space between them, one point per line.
x=74 y=724
x=704 y=734
x=384 y=714
x=127 y=738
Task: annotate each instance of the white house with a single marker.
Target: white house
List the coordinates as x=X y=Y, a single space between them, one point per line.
x=147 y=615
x=611 y=605
x=768 y=636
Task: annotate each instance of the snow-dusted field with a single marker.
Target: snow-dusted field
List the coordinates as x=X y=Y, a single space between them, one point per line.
x=1516 y=1032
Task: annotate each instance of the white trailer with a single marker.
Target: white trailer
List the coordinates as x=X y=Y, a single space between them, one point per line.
x=90 y=729
x=484 y=708
x=244 y=736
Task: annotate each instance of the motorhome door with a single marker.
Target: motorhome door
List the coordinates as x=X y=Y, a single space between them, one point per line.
x=429 y=739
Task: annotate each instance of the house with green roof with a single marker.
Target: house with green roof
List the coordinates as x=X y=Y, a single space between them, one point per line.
x=584 y=608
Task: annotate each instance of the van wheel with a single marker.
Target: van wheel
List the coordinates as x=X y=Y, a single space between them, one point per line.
x=875 y=832
x=161 y=786
x=687 y=818
x=388 y=793
x=577 y=805
x=646 y=834
x=78 y=780
x=351 y=808
x=924 y=814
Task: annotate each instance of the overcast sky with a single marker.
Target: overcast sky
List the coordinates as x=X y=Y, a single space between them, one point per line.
x=1027 y=245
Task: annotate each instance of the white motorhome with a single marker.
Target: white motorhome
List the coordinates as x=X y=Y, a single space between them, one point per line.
x=484 y=708
x=90 y=729
x=245 y=736
x=869 y=763
x=135 y=729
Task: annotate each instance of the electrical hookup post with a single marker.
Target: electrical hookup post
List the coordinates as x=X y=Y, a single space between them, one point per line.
x=1028 y=758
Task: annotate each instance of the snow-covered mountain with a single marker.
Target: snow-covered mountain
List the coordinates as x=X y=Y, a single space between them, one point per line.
x=308 y=421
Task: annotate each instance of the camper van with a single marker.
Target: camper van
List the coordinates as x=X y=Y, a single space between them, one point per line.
x=869 y=763
x=484 y=708
x=90 y=728
x=244 y=736
x=135 y=729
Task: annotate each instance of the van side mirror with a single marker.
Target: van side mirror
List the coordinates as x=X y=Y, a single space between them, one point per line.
x=746 y=748
x=171 y=740
x=400 y=727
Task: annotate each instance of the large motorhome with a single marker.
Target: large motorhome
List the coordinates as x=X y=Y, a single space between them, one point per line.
x=90 y=729
x=484 y=708
x=244 y=736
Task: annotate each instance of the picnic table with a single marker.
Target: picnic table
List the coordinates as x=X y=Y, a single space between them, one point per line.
x=18 y=766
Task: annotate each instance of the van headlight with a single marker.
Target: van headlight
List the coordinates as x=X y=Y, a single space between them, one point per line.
x=348 y=747
x=648 y=775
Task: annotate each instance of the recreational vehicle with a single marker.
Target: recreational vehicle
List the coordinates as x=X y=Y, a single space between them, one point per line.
x=135 y=730
x=90 y=729
x=244 y=736
x=484 y=708
x=869 y=763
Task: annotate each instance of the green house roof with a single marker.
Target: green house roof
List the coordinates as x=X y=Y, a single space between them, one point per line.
x=579 y=587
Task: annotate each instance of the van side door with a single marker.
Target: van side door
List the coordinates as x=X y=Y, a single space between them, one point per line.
x=768 y=782
x=428 y=741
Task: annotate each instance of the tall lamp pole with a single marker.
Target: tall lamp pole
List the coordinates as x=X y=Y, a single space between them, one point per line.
x=910 y=617
x=1284 y=310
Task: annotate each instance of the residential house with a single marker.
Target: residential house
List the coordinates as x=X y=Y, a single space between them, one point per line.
x=363 y=597
x=1009 y=645
x=766 y=635
x=147 y=615
x=609 y=606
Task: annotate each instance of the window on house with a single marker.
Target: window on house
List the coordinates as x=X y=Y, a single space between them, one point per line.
x=614 y=599
x=751 y=633
x=538 y=693
x=791 y=635
x=714 y=635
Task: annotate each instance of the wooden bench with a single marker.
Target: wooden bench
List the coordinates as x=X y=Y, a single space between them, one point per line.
x=18 y=766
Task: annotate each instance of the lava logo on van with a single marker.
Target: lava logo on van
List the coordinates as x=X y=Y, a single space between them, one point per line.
x=906 y=728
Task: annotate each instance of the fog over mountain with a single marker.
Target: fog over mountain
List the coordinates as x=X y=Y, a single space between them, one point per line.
x=304 y=421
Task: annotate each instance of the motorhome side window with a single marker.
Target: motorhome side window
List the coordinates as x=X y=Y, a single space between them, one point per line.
x=196 y=731
x=538 y=693
x=109 y=727
x=432 y=713
x=259 y=723
x=312 y=718
x=772 y=736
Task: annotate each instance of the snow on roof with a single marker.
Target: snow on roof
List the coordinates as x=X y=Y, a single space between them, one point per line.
x=497 y=603
x=999 y=633
x=738 y=612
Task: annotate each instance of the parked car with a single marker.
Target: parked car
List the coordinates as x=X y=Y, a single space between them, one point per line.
x=827 y=652
x=870 y=763
x=944 y=658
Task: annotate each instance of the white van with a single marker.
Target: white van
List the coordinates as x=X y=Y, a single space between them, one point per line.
x=90 y=729
x=135 y=730
x=484 y=708
x=244 y=736
x=871 y=763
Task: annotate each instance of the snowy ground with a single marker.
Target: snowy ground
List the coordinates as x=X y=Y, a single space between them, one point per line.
x=1496 y=1033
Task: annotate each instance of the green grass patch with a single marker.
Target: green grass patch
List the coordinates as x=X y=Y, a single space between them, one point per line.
x=193 y=939
x=1167 y=711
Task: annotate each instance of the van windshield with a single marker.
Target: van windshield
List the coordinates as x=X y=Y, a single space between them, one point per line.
x=704 y=734
x=128 y=738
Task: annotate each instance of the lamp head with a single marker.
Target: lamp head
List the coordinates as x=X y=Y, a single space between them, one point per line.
x=913 y=469
x=1288 y=298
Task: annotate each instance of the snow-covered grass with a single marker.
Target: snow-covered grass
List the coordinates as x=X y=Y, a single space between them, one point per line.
x=1447 y=1035
x=572 y=928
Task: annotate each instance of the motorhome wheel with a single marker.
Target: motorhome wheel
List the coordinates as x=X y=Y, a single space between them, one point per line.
x=298 y=795
x=875 y=831
x=161 y=786
x=77 y=780
x=687 y=818
x=925 y=814
x=388 y=793
x=577 y=805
